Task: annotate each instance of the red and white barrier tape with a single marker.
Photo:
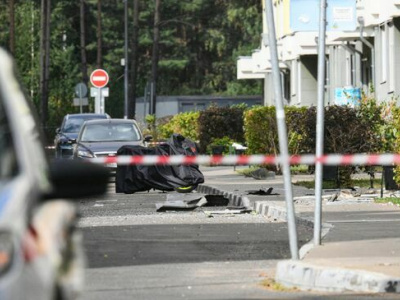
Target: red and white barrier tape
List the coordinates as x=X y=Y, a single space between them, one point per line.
x=331 y=159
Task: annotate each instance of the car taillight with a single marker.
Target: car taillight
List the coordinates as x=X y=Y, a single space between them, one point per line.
x=6 y=251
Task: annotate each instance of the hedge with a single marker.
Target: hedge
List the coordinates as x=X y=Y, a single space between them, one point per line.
x=219 y=122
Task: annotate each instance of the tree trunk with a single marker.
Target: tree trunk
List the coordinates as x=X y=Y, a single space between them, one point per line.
x=12 y=27
x=44 y=60
x=85 y=77
x=134 y=59
x=155 y=56
x=99 y=36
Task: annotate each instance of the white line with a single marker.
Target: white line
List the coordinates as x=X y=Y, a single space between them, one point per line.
x=99 y=78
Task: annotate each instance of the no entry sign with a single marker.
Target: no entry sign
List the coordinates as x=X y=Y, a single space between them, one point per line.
x=99 y=78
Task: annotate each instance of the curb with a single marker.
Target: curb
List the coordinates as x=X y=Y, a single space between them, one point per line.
x=234 y=199
x=329 y=279
x=306 y=276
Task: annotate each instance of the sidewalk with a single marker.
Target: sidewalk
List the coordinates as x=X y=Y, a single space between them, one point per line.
x=360 y=248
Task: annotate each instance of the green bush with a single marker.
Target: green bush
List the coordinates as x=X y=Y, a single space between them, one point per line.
x=185 y=124
x=218 y=122
x=225 y=141
x=261 y=131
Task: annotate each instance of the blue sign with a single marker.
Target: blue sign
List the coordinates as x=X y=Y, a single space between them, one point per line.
x=347 y=96
x=340 y=15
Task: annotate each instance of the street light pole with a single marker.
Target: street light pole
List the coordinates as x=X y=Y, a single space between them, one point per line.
x=126 y=61
x=319 y=149
x=282 y=131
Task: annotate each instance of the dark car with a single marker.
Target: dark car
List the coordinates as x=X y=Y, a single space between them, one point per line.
x=40 y=247
x=69 y=130
x=102 y=138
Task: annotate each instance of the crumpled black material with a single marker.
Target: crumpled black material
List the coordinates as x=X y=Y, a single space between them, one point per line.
x=135 y=178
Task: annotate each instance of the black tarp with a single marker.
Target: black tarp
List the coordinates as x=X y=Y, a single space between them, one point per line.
x=135 y=178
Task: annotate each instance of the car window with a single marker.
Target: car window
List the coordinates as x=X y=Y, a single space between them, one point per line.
x=8 y=162
x=74 y=124
x=110 y=132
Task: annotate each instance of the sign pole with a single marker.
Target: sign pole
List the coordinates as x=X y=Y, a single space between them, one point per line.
x=320 y=125
x=282 y=131
x=80 y=98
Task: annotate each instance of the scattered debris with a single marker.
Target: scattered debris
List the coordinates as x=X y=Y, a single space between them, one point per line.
x=216 y=200
x=262 y=173
x=178 y=201
x=262 y=192
x=229 y=211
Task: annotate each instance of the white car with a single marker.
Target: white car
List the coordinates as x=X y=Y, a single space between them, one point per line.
x=41 y=255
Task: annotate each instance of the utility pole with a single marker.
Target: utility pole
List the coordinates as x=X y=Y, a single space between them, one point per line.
x=155 y=56
x=134 y=57
x=126 y=89
x=44 y=60
x=319 y=151
x=282 y=131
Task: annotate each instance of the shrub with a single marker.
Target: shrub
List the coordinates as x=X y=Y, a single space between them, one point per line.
x=225 y=142
x=261 y=131
x=185 y=124
x=218 y=122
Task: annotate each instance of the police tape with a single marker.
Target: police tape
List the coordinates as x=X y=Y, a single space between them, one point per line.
x=229 y=160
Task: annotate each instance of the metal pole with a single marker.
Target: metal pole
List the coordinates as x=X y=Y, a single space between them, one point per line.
x=126 y=62
x=80 y=98
x=282 y=133
x=320 y=124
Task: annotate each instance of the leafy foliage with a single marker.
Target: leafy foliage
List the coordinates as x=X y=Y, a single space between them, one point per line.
x=199 y=43
x=185 y=124
x=219 y=122
x=224 y=142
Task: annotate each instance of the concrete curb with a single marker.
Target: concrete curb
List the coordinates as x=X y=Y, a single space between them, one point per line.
x=311 y=277
x=234 y=199
x=306 y=276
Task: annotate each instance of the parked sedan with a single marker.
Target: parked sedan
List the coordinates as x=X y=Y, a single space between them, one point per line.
x=69 y=130
x=99 y=138
x=40 y=249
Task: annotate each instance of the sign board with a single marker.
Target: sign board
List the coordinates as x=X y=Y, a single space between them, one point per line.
x=99 y=78
x=81 y=90
x=95 y=92
x=81 y=101
x=340 y=14
x=347 y=96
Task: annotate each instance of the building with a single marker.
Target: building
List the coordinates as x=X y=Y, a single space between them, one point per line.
x=362 y=39
x=172 y=105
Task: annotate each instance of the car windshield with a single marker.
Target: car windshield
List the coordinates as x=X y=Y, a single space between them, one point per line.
x=110 y=132
x=74 y=124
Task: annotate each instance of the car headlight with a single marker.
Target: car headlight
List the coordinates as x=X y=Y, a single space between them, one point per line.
x=6 y=251
x=85 y=154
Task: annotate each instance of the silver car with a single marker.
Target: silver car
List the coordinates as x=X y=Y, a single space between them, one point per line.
x=40 y=251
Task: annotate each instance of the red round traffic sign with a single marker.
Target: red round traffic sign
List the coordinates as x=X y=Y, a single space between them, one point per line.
x=99 y=78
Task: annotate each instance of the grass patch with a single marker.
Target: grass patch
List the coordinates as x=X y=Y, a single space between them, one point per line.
x=393 y=200
x=247 y=172
x=298 y=169
x=363 y=183
x=271 y=284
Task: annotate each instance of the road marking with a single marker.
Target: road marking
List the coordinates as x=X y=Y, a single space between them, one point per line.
x=363 y=221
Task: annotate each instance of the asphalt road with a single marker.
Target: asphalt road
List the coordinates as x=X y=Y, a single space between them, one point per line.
x=135 y=252
x=126 y=238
